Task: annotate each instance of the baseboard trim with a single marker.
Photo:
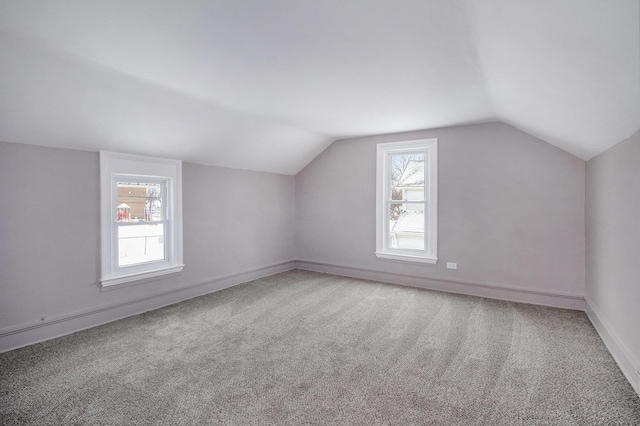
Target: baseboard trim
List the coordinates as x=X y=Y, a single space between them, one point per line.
x=21 y=335
x=629 y=365
x=494 y=291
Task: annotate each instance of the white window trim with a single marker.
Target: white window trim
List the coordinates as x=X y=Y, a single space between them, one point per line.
x=118 y=164
x=383 y=251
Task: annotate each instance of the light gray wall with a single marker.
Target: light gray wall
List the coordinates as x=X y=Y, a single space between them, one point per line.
x=511 y=214
x=613 y=251
x=237 y=225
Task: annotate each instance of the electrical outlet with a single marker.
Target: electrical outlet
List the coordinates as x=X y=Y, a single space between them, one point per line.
x=452 y=265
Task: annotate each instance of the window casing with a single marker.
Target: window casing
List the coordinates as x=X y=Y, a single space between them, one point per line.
x=407 y=201
x=141 y=217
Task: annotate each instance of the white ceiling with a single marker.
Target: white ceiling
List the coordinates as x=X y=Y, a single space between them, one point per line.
x=267 y=85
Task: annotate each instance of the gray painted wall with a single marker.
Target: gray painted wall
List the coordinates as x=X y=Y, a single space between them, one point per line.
x=238 y=225
x=511 y=214
x=511 y=207
x=613 y=251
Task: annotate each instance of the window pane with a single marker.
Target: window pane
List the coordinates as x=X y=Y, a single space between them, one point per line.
x=138 y=201
x=140 y=244
x=407 y=176
x=406 y=226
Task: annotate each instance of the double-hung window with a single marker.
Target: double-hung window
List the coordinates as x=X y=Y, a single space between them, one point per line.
x=141 y=217
x=407 y=197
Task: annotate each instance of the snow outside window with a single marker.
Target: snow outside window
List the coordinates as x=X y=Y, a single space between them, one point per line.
x=407 y=185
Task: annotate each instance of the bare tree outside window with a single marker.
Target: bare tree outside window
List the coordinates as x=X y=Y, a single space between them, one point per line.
x=403 y=168
x=153 y=203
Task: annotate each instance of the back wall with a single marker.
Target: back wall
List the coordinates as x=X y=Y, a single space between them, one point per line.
x=510 y=210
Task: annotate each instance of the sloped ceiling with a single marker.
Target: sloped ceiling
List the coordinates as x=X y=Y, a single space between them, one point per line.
x=267 y=85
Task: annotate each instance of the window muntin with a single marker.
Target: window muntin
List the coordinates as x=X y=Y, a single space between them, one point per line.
x=407 y=201
x=141 y=216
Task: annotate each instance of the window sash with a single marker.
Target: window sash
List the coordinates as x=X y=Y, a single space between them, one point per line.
x=389 y=167
x=165 y=235
x=390 y=154
x=388 y=230
x=115 y=234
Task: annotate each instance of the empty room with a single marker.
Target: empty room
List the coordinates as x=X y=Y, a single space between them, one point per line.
x=319 y=212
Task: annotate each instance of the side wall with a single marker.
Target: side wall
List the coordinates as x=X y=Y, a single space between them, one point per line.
x=510 y=209
x=613 y=252
x=238 y=226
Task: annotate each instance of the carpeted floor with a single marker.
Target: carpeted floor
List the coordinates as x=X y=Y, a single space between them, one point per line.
x=309 y=348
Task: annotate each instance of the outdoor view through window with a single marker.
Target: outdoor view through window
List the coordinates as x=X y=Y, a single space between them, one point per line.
x=407 y=218
x=140 y=222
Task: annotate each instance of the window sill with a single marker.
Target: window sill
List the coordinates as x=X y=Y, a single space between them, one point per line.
x=137 y=278
x=407 y=258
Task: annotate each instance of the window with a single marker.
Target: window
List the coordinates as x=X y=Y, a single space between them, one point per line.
x=141 y=217
x=407 y=197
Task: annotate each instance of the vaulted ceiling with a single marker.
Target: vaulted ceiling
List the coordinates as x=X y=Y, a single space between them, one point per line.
x=267 y=85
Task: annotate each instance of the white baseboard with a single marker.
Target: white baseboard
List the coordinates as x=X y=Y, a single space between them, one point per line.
x=27 y=334
x=38 y=331
x=493 y=291
x=629 y=365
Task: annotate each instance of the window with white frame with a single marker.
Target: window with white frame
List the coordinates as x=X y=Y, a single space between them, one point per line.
x=141 y=217
x=407 y=201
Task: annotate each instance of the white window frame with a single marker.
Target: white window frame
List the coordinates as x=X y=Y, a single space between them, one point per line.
x=113 y=167
x=383 y=197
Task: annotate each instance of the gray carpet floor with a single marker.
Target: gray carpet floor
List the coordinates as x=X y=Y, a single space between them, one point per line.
x=309 y=348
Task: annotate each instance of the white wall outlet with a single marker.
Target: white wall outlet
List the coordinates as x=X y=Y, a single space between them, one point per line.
x=452 y=265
